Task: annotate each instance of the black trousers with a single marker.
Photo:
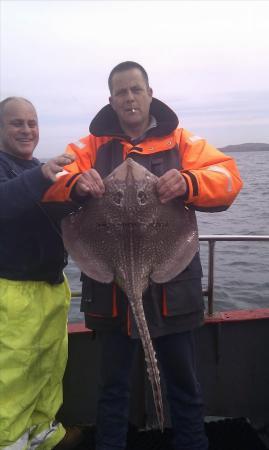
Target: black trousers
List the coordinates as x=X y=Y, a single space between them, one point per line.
x=176 y=354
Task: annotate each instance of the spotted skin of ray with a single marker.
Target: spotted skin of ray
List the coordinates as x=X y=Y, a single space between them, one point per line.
x=130 y=237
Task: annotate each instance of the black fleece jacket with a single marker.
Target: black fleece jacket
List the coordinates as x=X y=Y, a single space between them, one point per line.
x=31 y=247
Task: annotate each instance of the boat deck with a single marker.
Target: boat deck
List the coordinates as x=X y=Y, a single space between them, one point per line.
x=233 y=370
x=225 y=434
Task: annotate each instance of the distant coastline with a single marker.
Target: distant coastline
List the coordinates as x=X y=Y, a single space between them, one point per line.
x=248 y=147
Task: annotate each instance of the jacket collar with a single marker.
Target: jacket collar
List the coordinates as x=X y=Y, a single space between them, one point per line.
x=106 y=122
x=8 y=157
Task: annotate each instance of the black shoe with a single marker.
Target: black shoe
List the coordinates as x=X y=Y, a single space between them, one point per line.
x=72 y=438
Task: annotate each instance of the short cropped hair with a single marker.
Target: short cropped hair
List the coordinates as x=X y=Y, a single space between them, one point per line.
x=127 y=65
x=7 y=100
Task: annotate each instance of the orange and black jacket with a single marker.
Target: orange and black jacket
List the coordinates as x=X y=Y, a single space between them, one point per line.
x=213 y=183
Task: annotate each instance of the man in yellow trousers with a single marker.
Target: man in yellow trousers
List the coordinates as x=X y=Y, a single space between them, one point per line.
x=34 y=294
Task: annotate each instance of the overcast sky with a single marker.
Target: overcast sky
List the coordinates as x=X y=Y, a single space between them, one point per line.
x=209 y=60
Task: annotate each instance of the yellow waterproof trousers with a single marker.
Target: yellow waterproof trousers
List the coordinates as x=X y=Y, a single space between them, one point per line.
x=33 y=355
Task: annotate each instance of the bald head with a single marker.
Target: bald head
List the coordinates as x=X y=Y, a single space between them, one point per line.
x=7 y=100
x=19 y=132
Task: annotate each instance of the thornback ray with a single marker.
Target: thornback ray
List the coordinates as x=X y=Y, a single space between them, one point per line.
x=130 y=237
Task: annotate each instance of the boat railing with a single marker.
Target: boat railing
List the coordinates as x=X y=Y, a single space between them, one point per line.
x=212 y=239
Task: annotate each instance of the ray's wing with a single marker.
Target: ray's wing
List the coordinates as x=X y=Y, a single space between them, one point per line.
x=84 y=235
x=175 y=241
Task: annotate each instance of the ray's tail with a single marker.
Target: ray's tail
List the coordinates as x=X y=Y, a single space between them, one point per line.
x=131 y=256
x=150 y=358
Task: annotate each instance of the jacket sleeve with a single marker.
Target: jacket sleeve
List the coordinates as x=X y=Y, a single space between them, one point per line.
x=212 y=177
x=21 y=193
x=85 y=152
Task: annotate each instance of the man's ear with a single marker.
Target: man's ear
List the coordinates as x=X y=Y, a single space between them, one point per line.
x=111 y=102
x=150 y=92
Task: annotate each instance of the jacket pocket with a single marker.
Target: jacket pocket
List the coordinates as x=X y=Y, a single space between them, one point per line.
x=98 y=299
x=182 y=297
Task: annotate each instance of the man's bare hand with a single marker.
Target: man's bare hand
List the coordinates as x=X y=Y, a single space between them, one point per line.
x=90 y=183
x=55 y=165
x=170 y=185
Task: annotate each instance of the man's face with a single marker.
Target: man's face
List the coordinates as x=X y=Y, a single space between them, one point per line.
x=131 y=98
x=19 y=129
